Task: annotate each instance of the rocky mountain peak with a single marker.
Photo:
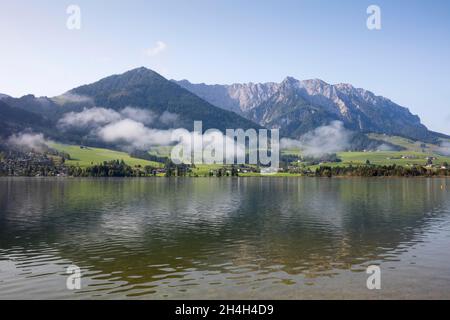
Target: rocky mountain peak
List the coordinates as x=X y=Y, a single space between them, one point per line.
x=313 y=102
x=289 y=81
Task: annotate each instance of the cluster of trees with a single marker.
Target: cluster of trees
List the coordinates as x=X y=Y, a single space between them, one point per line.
x=35 y=170
x=114 y=168
x=184 y=170
x=176 y=170
x=224 y=172
x=380 y=171
x=138 y=154
x=287 y=159
x=29 y=164
x=330 y=157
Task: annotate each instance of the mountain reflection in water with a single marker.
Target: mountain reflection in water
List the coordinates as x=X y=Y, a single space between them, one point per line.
x=252 y=238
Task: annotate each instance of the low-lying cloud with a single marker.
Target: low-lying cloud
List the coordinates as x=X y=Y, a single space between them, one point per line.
x=29 y=141
x=169 y=118
x=444 y=148
x=139 y=115
x=128 y=127
x=89 y=118
x=286 y=143
x=321 y=141
x=73 y=98
x=132 y=134
x=98 y=117
x=385 y=147
x=326 y=139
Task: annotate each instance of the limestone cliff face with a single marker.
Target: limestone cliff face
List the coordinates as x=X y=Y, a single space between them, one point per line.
x=239 y=98
x=297 y=106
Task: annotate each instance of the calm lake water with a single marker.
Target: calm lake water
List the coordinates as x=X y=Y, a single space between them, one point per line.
x=249 y=238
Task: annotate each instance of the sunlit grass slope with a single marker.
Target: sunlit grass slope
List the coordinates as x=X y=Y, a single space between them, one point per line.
x=85 y=157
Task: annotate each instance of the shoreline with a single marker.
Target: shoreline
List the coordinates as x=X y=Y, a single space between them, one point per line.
x=243 y=177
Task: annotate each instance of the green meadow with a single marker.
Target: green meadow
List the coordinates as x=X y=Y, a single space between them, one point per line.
x=416 y=154
x=87 y=156
x=389 y=157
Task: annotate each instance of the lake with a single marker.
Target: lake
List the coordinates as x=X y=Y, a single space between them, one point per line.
x=229 y=238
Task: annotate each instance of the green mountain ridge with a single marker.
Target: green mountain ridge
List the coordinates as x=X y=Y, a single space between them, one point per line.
x=139 y=88
x=144 y=88
x=290 y=106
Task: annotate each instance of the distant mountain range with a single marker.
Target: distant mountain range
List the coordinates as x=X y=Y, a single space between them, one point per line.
x=140 y=89
x=295 y=107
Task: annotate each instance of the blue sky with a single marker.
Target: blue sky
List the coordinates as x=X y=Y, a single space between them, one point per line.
x=226 y=41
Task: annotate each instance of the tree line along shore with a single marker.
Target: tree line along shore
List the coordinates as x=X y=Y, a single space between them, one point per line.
x=118 y=168
x=53 y=163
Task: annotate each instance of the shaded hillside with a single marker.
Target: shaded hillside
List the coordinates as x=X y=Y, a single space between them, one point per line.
x=144 y=88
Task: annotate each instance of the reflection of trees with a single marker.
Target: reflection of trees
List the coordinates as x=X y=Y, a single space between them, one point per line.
x=156 y=228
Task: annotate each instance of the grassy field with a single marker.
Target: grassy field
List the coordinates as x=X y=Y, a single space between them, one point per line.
x=384 y=158
x=410 y=145
x=162 y=151
x=387 y=157
x=417 y=152
x=203 y=169
x=90 y=156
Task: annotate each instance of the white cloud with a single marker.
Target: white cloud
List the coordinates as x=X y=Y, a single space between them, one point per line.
x=321 y=141
x=134 y=134
x=168 y=118
x=444 y=148
x=96 y=117
x=73 y=98
x=128 y=128
x=139 y=115
x=159 y=47
x=286 y=143
x=33 y=141
x=130 y=135
x=326 y=139
x=89 y=118
x=385 y=147
x=214 y=146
